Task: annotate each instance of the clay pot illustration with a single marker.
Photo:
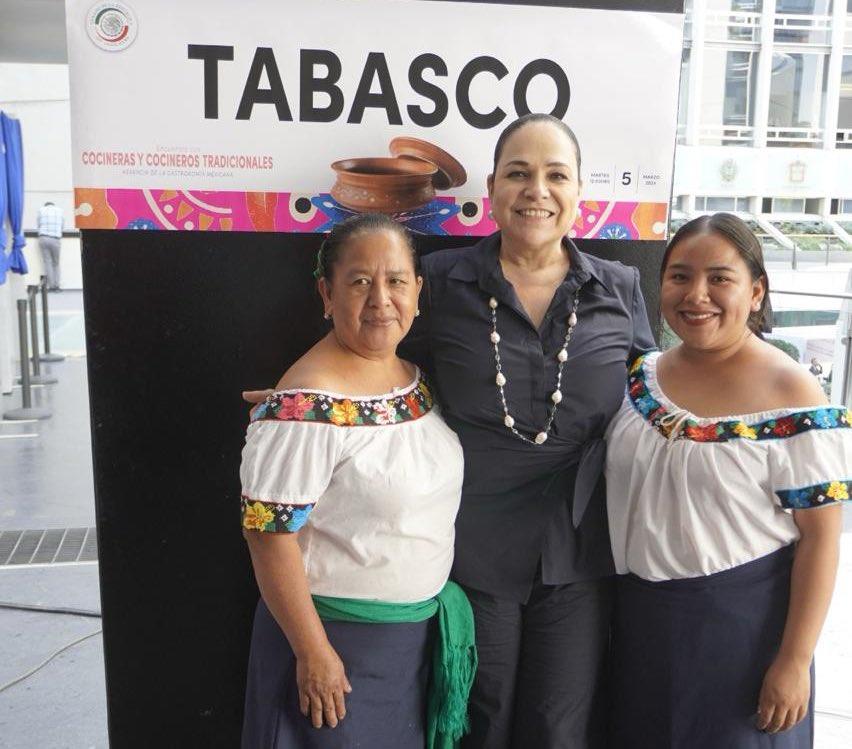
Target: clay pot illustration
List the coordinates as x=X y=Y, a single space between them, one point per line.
x=385 y=185
x=403 y=182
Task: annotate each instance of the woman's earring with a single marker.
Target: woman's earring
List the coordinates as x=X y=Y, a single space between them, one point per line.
x=417 y=312
x=490 y=214
x=327 y=315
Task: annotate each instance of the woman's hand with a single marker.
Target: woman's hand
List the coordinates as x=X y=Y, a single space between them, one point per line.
x=322 y=684
x=784 y=696
x=256 y=396
x=320 y=677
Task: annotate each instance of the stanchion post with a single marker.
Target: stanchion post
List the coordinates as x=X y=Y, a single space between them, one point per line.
x=27 y=411
x=31 y=296
x=48 y=355
x=37 y=378
x=26 y=383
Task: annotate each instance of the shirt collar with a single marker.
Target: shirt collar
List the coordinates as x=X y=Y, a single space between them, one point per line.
x=483 y=265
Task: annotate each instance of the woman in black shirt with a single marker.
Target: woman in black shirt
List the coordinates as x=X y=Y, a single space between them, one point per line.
x=525 y=308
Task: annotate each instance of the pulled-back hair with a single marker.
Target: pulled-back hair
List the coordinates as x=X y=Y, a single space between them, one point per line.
x=529 y=119
x=736 y=232
x=342 y=233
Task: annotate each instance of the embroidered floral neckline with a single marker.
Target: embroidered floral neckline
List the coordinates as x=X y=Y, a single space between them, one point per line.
x=674 y=423
x=409 y=404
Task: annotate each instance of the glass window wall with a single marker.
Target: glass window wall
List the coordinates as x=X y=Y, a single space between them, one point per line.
x=844 y=111
x=717 y=203
x=727 y=106
x=848 y=37
x=732 y=20
x=797 y=98
x=788 y=205
x=803 y=21
x=683 y=96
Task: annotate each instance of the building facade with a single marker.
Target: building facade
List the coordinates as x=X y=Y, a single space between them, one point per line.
x=765 y=118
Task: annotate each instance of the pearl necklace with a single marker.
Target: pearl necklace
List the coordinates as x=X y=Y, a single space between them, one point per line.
x=500 y=379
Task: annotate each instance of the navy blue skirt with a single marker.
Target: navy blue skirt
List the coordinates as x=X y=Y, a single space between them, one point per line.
x=689 y=657
x=386 y=664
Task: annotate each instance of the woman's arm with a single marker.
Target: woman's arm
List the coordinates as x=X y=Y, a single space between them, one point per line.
x=320 y=675
x=786 y=687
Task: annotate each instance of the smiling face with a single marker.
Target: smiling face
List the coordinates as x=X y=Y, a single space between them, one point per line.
x=707 y=292
x=535 y=188
x=372 y=295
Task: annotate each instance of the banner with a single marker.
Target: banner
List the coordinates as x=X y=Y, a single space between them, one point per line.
x=271 y=116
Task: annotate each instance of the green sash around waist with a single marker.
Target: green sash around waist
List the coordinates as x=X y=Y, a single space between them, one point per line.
x=453 y=662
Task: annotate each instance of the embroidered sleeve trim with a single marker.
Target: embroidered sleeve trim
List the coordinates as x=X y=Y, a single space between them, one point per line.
x=818 y=495
x=273 y=517
x=309 y=406
x=655 y=413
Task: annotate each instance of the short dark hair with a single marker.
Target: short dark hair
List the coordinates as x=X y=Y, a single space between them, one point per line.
x=529 y=119
x=735 y=231
x=339 y=236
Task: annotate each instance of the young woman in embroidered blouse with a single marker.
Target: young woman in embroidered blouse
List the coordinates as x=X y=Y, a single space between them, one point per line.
x=348 y=503
x=727 y=525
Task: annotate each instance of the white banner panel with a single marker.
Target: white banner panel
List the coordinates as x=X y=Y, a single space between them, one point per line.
x=218 y=115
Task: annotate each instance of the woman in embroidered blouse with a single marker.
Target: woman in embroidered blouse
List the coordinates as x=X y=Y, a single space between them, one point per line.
x=727 y=525
x=348 y=509
x=528 y=341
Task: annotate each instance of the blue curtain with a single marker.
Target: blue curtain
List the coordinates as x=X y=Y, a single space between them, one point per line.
x=3 y=202
x=15 y=187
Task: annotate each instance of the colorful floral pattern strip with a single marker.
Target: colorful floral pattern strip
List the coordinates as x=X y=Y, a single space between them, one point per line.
x=318 y=407
x=273 y=517
x=828 y=493
x=722 y=431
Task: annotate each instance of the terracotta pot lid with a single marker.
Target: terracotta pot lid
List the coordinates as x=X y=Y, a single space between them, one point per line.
x=450 y=173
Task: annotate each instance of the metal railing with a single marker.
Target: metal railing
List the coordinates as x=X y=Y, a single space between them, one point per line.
x=795 y=135
x=726 y=133
x=825 y=242
x=802 y=21
x=744 y=27
x=844 y=137
x=816 y=29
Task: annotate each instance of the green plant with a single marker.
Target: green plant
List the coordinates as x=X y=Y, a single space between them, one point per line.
x=668 y=338
x=787 y=347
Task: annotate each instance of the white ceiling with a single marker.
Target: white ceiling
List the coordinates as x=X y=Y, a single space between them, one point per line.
x=32 y=31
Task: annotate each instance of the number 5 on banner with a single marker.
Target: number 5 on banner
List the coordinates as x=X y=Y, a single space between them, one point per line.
x=625 y=180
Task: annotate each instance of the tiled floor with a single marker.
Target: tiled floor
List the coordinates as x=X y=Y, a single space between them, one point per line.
x=47 y=483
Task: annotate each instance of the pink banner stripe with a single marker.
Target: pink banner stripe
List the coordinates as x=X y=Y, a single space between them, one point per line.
x=205 y=210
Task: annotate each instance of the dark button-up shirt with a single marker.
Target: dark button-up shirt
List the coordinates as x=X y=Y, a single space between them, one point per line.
x=522 y=504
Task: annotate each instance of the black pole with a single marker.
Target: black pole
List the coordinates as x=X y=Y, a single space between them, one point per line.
x=31 y=295
x=27 y=411
x=26 y=385
x=48 y=355
x=37 y=378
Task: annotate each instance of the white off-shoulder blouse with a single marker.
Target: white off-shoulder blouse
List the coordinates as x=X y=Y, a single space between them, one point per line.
x=372 y=484
x=690 y=496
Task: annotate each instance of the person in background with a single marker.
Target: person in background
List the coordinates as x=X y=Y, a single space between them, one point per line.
x=50 y=226
x=727 y=526
x=351 y=482
x=816 y=368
